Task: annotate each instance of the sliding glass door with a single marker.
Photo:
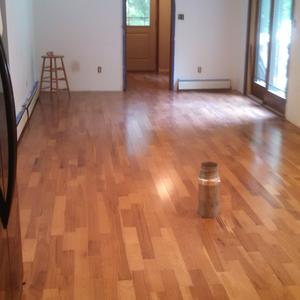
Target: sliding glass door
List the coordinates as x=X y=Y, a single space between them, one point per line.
x=273 y=38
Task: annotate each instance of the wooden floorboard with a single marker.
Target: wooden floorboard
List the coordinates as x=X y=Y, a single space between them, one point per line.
x=108 y=196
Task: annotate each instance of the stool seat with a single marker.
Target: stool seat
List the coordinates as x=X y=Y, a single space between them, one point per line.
x=50 y=65
x=53 y=56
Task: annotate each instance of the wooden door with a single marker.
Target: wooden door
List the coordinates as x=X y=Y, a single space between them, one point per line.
x=141 y=35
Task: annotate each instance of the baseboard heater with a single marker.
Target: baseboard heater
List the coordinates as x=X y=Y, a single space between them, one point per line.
x=204 y=84
x=27 y=109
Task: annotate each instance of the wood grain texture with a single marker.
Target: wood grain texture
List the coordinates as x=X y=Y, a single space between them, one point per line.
x=108 y=196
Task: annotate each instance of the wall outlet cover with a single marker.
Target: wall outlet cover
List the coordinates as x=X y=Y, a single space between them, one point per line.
x=181 y=17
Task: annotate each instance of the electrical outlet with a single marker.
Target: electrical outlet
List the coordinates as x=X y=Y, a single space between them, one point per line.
x=199 y=69
x=99 y=69
x=181 y=17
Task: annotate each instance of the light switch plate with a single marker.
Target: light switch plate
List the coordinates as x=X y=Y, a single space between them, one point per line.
x=181 y=17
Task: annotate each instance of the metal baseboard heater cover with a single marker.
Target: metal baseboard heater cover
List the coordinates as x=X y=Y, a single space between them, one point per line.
x=204 y=84
x=27 y=109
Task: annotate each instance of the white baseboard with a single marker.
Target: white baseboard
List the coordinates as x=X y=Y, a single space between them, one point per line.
x=21 y=125
x=27 y=110
x=207 y=84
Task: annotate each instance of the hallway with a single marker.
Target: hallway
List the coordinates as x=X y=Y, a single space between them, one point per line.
x=108 y=197
x=149 y=80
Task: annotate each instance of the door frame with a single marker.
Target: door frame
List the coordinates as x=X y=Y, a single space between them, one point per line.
x=248 y=50
x=172 y=43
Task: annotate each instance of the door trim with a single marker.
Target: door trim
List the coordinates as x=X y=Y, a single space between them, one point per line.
x=124 y=23
x=157 y=34
x=172 y=43
x=248 y=52
x=9 y=106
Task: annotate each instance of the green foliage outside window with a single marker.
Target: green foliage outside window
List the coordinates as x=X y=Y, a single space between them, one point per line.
x=138 y=12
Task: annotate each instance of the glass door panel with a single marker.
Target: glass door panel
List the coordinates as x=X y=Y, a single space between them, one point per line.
x=281 y=39
x=138 y=12
x=263 y=41
x=273 y=39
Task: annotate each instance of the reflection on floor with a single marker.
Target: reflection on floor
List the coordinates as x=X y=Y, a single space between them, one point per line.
x=154 y=81
x=108 y=192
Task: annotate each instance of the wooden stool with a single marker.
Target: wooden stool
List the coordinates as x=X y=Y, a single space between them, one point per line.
x=50 y=66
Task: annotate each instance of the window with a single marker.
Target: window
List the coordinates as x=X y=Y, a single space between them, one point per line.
x=138 y=12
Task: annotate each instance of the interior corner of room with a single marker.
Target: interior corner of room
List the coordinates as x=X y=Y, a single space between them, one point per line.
x=201 y=52
x=18 y=37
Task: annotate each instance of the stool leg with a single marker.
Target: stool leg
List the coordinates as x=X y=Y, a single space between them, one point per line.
x=42 y=74
x=56 y=75
x=51 y=76
x=65 y=75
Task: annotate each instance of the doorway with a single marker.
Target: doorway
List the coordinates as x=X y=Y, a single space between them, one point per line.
x=141 y=35
x=148 y=39
x=270 y=42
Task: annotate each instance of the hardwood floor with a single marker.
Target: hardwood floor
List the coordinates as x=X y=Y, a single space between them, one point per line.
x=108 y=195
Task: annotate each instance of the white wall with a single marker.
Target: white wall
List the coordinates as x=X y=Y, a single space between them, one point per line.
x=4 y=26
x=293 y=101
x=213 y=36
x=89 y=34
x=20 y=48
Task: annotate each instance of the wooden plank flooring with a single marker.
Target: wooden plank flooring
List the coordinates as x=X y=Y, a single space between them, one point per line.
x=108 y=195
